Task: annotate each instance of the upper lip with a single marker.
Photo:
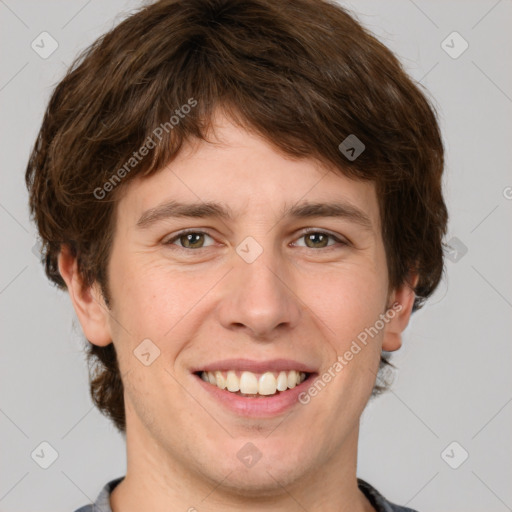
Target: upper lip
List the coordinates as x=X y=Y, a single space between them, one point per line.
x=272 y=365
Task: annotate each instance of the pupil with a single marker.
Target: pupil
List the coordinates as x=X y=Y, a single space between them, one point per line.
x=190 y=237
x=313 y=235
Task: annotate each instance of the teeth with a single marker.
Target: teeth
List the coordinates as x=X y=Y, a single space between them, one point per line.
x=292 y=379
x=253 y=384
x=232 y=382
x=220 y=381
x=282 y=381
x=267 y=384
x=248 y=383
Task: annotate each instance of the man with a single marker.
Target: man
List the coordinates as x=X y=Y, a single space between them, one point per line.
x=244 y=201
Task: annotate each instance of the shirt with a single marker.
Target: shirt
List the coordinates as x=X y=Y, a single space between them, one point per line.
x=378 y=502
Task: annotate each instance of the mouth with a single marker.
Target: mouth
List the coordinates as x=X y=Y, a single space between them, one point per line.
x=249 y=384
x=255 y=388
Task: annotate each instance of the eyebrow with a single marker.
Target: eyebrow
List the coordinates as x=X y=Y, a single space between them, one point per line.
x=176 y=209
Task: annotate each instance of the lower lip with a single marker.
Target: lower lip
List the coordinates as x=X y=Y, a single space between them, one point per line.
x=259 y=407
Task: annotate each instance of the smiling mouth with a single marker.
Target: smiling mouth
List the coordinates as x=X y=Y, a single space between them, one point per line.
x=254 y=385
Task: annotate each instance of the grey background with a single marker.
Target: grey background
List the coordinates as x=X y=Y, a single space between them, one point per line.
x=454 y=379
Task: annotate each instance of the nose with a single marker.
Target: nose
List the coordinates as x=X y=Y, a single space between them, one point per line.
x=259 y=297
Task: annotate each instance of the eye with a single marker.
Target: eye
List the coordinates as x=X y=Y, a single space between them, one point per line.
x=189 y=239
x=195 y=240
x=319 y=239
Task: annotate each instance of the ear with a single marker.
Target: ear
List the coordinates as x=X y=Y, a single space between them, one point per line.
x=88 y=302
x=404 y=297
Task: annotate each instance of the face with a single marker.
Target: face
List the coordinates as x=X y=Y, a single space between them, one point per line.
x=273 y=287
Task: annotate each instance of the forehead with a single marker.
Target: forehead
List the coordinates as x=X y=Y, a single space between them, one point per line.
x=248 y=176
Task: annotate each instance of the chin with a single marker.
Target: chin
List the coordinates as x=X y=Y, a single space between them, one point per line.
x=257 y=468
x=263 y=482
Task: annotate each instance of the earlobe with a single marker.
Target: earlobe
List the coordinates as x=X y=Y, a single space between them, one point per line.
x=88 y=302
x=399 y=313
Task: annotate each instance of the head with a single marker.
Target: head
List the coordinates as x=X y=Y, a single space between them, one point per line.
x=243 y=104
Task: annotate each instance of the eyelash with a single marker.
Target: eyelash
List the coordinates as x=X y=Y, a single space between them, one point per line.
x=177 y=236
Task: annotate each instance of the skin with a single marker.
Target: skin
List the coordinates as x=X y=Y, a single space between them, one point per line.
x=198 y=305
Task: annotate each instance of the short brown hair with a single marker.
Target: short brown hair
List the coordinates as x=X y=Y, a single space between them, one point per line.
x=302 y=73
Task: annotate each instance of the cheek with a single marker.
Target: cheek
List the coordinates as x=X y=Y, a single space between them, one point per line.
x=356 y=301
x=347 y=301
x=156 y=300
x=147 y=298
